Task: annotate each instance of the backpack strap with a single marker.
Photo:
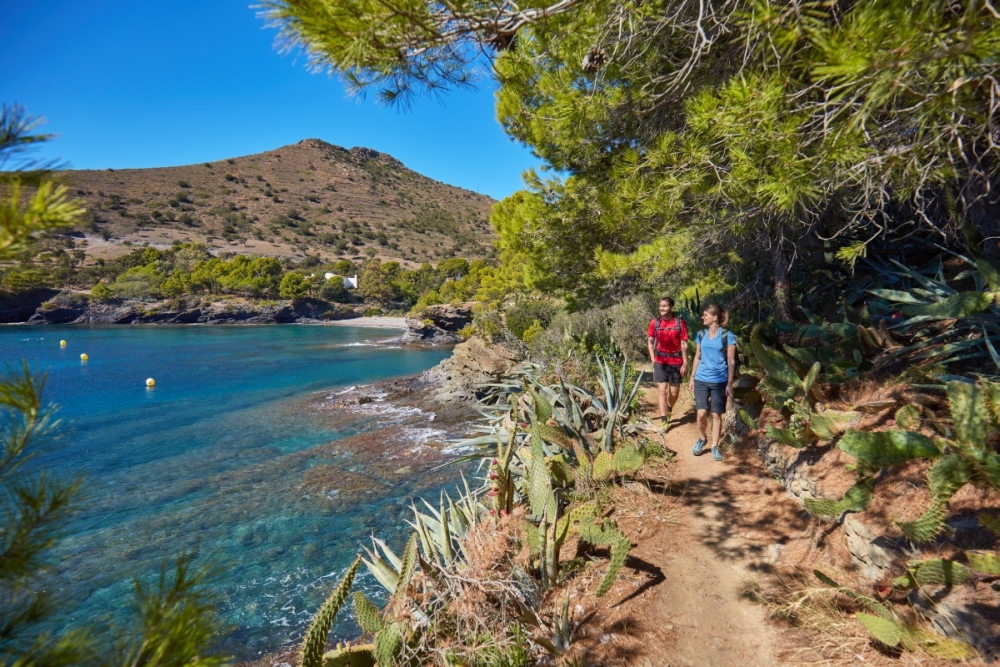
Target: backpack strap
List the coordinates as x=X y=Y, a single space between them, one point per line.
x=656 y=338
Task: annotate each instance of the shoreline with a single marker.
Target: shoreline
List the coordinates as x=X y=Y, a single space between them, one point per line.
x=377 y=322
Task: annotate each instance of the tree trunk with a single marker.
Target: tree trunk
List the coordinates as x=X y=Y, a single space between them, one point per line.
x=782 y=284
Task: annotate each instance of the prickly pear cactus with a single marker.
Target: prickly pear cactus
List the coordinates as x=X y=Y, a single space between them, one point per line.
x=603 y=465
x=618 y=555
x=315 y=641
x=628 y=459
x=388 y=643
x=368 y=615
x=986 y=562
x=856 y=499
x=908 y=417
x=354 y=656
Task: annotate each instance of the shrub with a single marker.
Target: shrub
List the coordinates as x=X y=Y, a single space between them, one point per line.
x=533 y=332
x=629 y=325
x=183 y=184
x=523 y=314
x=101 y=292
x=334 y=290
x=293 y=286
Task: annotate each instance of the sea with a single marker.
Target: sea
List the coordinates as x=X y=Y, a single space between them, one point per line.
x=268 y=453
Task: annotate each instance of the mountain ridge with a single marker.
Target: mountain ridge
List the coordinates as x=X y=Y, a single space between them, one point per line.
x=307 y=198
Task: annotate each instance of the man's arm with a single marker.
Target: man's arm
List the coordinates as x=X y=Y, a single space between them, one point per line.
x=652 y=354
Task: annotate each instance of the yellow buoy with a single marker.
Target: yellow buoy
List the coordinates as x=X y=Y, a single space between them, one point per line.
x=150 y=382
x=62 y=343
x=84 y=357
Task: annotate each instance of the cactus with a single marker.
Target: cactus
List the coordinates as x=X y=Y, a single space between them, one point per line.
x=619 y=553
x=388 y=643
x=933 y=572
x=351 y=656
x=856 y=499
x=607 y=533
x=539 y=482
x=628 y=459
x=887 y=448
x=315 y=641
x=603 y=465
x=908 y=417
x=368 y=615
x=887 y=631
x=986 y=562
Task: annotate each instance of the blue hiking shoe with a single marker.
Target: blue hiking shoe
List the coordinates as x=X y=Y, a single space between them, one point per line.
x=716 y=453
x=699 y=447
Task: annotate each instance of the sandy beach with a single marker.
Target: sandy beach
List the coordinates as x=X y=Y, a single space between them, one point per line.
x=373 y=322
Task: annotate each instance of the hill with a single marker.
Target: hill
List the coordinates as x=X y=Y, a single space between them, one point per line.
x=309 y=198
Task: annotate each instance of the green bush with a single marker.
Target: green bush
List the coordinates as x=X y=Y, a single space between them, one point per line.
x=628 y=324
x=19 y=280
x=293 y=286
x=101 y=292
x=334 y=290
x=523 y=314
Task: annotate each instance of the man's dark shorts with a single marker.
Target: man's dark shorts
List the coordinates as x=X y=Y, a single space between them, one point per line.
x=668 y=373
x=710 y=393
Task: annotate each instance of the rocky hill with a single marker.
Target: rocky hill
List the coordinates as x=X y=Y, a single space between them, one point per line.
x=308 y=198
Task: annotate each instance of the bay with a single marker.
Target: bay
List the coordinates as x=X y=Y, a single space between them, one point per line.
x=235 y=456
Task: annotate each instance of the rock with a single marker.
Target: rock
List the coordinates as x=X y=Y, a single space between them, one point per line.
x=474 y=363
x=873 y=554
x=438 y=325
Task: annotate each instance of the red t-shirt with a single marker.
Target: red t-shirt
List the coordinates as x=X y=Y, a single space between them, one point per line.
x=669 y=341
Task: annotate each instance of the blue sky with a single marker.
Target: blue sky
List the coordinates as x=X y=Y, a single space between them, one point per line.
x=155 y=83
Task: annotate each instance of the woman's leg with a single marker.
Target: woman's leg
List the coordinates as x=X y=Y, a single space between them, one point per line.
x=716 y=429
x=703 y=424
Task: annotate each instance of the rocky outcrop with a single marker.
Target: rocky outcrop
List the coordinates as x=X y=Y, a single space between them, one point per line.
x=474 y=363
x=78 y=309
x=438 y=325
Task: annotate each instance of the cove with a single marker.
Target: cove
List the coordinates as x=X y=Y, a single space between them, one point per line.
x=235 y=456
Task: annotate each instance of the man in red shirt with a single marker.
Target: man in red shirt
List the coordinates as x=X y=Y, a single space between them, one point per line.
x=668 y=336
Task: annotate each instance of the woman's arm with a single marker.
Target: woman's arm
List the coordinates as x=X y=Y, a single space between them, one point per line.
x=694 y=364
x=731 y=363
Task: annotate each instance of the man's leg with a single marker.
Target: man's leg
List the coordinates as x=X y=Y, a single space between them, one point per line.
x=673 y=392
x=661 y=387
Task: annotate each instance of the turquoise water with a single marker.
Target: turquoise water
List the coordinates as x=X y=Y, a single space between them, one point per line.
x=246 y=452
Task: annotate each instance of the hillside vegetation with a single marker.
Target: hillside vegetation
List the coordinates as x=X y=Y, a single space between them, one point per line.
x=310 y=198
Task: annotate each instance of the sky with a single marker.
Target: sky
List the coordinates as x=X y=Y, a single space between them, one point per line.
x=128 y=84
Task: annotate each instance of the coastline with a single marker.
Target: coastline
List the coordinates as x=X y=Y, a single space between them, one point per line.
x=377 y=322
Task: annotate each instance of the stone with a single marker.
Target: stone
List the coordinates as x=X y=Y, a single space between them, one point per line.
x=473 y=363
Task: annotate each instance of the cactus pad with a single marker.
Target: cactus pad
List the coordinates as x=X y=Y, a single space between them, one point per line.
x=934 y=572
x=856 y=499
x=831 y=423
x=991 y=521
x=887 y=448
x=886 y=631
x=354 y=656
x=618 y=555
x=368 y=615
x=628 y=459
x=908 y=417
x=787 y=436
x=968 y=413
x=942 y=647
x=387 y=644
x=986 y=562
x=603 y=465
x=315 y=641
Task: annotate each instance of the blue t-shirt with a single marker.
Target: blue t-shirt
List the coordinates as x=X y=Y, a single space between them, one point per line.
x=714 y=364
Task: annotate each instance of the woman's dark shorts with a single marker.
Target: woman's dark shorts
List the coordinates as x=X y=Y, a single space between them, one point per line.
x=668 y=373
x=710 y=393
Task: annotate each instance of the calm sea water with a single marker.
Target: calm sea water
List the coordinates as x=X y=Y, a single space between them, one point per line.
x=238 y=455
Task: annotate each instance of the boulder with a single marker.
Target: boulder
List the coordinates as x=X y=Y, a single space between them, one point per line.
x=473 y=364
x=438 y=325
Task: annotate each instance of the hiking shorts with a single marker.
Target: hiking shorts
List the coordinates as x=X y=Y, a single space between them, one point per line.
x=712 y=394
x=668 y=373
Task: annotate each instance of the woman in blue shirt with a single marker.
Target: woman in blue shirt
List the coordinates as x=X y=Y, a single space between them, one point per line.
x=712 y=376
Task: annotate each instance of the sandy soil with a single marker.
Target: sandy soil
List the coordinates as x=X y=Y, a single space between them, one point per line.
x=373 y=322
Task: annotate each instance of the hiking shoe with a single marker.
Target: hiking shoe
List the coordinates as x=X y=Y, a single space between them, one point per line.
x=699 y=447
x=716 y=453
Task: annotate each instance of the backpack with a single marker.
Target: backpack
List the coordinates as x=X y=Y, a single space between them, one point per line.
x=656 y=337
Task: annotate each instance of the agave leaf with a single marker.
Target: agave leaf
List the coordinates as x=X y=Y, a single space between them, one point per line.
x=963 y=304
x=897 y=296
x=886 y=448
x=989 y=273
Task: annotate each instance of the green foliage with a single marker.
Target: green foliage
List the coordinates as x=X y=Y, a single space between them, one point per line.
x=368 y=615
x=293 y=286
x=525 y=313
x=352 y=656
x=315 y=640
x=967 y=457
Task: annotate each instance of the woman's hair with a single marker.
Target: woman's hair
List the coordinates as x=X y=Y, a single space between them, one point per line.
x=720 y=313
x=668 y=299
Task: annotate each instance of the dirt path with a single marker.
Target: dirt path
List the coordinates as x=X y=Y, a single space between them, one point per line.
x=705 y=563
